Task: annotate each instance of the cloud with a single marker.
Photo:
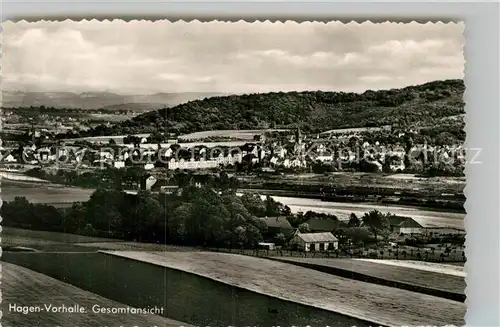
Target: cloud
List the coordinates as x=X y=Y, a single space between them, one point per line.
x=147 y=57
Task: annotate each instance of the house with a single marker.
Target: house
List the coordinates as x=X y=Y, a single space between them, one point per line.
x=147 y=182
x=276 y=225
x=317 y=225
x=119 y=164
x=10 y=158
x=404 y=225
x=309 y=242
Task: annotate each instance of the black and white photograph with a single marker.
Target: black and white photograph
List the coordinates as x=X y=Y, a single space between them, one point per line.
x=217 y=174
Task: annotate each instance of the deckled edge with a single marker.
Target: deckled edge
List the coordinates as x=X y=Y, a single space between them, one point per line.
x=1 y=202
x=249 y=21
x=242 y=20
x=466 y=169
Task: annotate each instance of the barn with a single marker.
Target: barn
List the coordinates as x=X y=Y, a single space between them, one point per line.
x=310 y=242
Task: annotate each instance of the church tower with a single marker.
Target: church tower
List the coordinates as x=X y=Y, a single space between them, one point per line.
x=298 y=136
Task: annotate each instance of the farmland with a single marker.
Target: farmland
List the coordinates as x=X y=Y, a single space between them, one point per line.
x=43 y=192
x=370 y=302
x=403 y=274
x=63 y=242
x=35 y=289
x=240 y=134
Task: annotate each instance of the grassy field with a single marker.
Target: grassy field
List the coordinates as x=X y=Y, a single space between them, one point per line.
x=62 y=242
x=401 y=274
x=28 y=288
x=36 y=192
x=448 y=269
x=48 y=241
x=371 y=302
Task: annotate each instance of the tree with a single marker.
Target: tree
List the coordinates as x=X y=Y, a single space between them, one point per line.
x=303 y=228
x=353 y=221
x=279 y=239
x=359 y=235
x=375 y=221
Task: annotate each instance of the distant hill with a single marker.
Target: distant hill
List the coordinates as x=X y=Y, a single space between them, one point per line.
x=98 y=100
x=312 y=111
x=137 y=107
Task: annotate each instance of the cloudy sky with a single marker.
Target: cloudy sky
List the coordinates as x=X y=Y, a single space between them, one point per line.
x=148 y=57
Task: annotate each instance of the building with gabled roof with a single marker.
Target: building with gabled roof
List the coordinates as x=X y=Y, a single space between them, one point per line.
x=323 y=225
x=404 y=225
x=276 y=225
x=310 y=242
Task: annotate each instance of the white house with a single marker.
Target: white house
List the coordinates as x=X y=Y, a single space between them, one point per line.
x=119 y=164
x=314 y=241
x=148 y=182
x=10 y=158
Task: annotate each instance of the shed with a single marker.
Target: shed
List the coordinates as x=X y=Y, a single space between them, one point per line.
x=314 y=241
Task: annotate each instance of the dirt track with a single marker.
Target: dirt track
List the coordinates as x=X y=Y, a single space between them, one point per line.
x=371 y=302
x=28 y=288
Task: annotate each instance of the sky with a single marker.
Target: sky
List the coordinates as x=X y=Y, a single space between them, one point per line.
x=143 y=57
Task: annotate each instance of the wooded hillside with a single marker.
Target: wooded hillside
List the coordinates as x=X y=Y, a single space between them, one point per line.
x=312 y=111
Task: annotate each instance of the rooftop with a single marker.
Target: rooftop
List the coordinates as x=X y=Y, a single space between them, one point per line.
x=400 y=221
x=317 y=237
x=277 y=222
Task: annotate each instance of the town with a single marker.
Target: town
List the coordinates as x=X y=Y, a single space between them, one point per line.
x=165 y=162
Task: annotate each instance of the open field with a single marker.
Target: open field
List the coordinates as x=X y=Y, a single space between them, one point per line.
x=449 y=269
x=43 y=192
x=371 y=302
x=52 y=236
x=13 y=176
x=49 y=241
x=392 y=273
x=245 y=134
x=63 y=242
x=28 y=288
